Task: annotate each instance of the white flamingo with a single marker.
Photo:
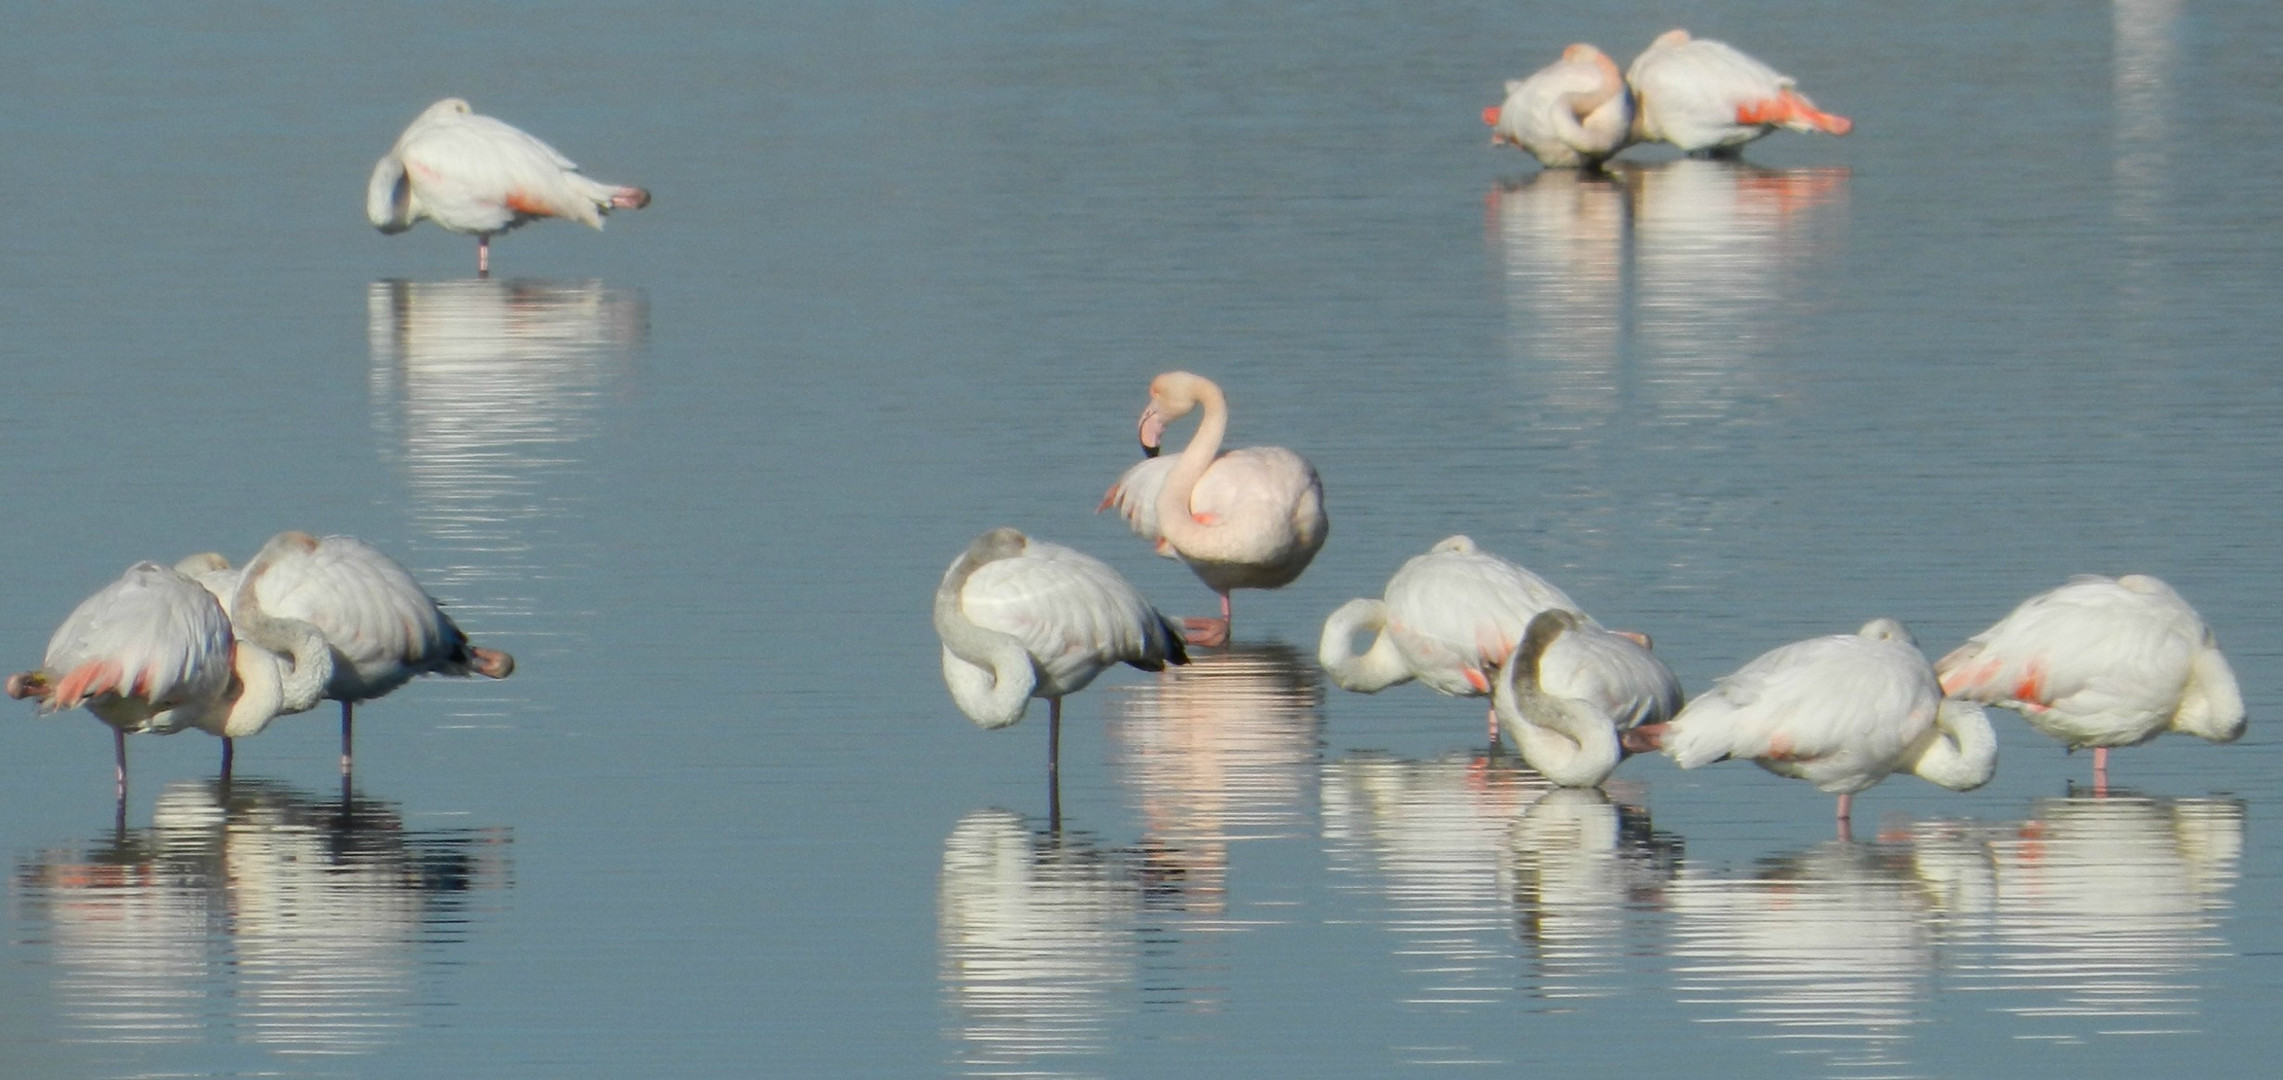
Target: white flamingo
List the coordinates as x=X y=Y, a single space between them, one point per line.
x=382 y=626
x=1251 y=518
x=1706 y=97
x=2102 y=662
x=472 y=173
x=1447 y=618
x=1573 y=113
x=1840 y=712
x=156 y=652
x=1570 y=688
x=1022 y=619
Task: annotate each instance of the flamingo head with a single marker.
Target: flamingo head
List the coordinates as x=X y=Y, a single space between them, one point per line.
x=1171 y=396
x=1151 y=431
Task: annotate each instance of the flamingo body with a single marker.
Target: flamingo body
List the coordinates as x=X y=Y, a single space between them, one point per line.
x=143 y=654
x=1022 y=619
x=1841 y=712
x=1570 y=687
x=2102 y=662
x=1447 y=618
x=471 y=173
x=1247 y=519
x=1575 y=112
x=1707 y=97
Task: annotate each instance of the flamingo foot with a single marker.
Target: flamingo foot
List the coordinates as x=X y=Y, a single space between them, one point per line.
x=1210 y=633
x=28 y=684
x=629 y=198
x=490 y=663
x=1646 y=739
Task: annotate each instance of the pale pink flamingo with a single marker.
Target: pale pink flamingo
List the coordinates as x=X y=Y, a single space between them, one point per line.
x=1250 y=518
x=383 y=627
x=1840 y=712
x=1571 y=687
x=1023 y=618
x=1707 y=97
x=472 y=173
x=1573 y=113
x=283 y=664
x=156 y=652
x=2102 y=662
x=1447 y=618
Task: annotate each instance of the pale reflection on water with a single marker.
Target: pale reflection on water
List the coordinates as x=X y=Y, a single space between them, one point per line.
x=255 y=912
x=2090 y=917
x=1037 y=944
x=483 y=392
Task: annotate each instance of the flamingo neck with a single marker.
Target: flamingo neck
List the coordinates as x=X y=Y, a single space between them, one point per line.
x=1962 y=751
x=302 y=685
x=1377 y=668
x=1174 y=520
x=1566 y=743
x=989 y=673
x=2211 y=706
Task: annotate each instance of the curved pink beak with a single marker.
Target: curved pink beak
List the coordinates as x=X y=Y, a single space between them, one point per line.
x=1151 y=430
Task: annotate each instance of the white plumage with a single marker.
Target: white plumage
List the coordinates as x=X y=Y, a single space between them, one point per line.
x=1570 y=688
x=1706 y=96
x=472 y=173
x=2102 y=662
x=1447 y=618
x=1575 y=112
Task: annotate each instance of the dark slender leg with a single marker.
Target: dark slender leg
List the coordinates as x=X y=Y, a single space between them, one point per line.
x=229 y=754
x=1054 y=765
x=348 y=727
x=119 y=763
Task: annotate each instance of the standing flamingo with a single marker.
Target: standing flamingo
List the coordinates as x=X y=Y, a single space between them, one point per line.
x=2102 y=662
x=1708 y=98
x=283 y=664
x=1840 y=712
x=1573 y=113
x=155 y=652
x=1022 y=618
x=1447 y=618
x=383 y=627
x=472 y=173
x=1568 y=690
x=1250 y=518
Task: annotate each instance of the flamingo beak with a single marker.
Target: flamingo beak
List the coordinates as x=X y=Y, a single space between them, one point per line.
x=1151 y=430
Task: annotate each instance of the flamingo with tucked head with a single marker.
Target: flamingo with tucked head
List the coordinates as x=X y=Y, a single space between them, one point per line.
x=471 y=173
x=1251 y=518
x=1706 y=97
x=1571 y=688
x=1840 y=712
x=1573 y=113
x=2102 y=662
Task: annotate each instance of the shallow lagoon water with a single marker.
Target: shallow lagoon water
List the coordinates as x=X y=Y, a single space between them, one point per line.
x=908 y=272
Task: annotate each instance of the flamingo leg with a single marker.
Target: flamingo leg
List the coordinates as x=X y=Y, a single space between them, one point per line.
x=229 y=753
x=348 y=726
x=119 y=762
x=2100 y=772
x=1846 y=820
x=483 y=255
x=1054 y=764
x=1494 y=725
x=1211 y=633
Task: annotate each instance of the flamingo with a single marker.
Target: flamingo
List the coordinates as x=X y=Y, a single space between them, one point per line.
x=471 y=173
x=1570 y=687
x=1840 y=712
x=2102 y=662
x=1708 y=98
x=155 y=652
x=1251 y=518
x=1022 y=619
x=283 y=664
x=1447 y=618
x=1573 y=113
x=382 y=626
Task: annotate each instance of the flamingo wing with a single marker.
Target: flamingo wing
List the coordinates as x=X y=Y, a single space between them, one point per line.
x=1457 y=609
x=1837 y=710
x=2095 y=660
x=1071 y=612
x=1135 y=496
x=151 y=641
x=476 y=173
x=1611 y=674
x=1266 y=489
x=377 y=617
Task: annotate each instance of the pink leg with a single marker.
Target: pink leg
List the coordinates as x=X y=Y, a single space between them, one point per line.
x=2100 y=772
x=1494 y=724
x=348 y=725
x=1211 y=633
x=119 y=762
x=483 y=256
x=1846 y=821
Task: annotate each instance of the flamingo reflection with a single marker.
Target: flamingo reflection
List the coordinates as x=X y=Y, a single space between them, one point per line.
x=253 y=911
x=1036 y=932
x=483 y=392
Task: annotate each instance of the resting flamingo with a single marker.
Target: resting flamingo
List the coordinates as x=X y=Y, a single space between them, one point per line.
x=1573 y=113
x=1840 y=712
x=383 y=627
x=156 y=652
x=1022 y=619
x=1708 y=98
x=1447 y=618
x=1570 y=688
x=472 y=173
x=2102 y=662
x=1251 y=518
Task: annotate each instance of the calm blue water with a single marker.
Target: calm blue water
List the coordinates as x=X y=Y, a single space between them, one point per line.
x=908 y=271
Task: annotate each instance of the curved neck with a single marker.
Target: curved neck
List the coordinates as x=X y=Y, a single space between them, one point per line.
x=1379 y=667
x=990 y=674
x=303 y=684
x=1962 y=751
x=1174 y=520
x=1565 y=742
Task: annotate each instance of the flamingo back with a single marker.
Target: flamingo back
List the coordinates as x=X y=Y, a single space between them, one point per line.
x=1688 y=91
x=1072 y=613
x=473 y=173
x=1572 y=112
x=143 y=647
x=1611 y=674
x=1459 y=609
x=1840 y=712
x=383 y=626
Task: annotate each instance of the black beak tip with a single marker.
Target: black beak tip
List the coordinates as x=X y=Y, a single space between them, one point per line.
x=1148 y=451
